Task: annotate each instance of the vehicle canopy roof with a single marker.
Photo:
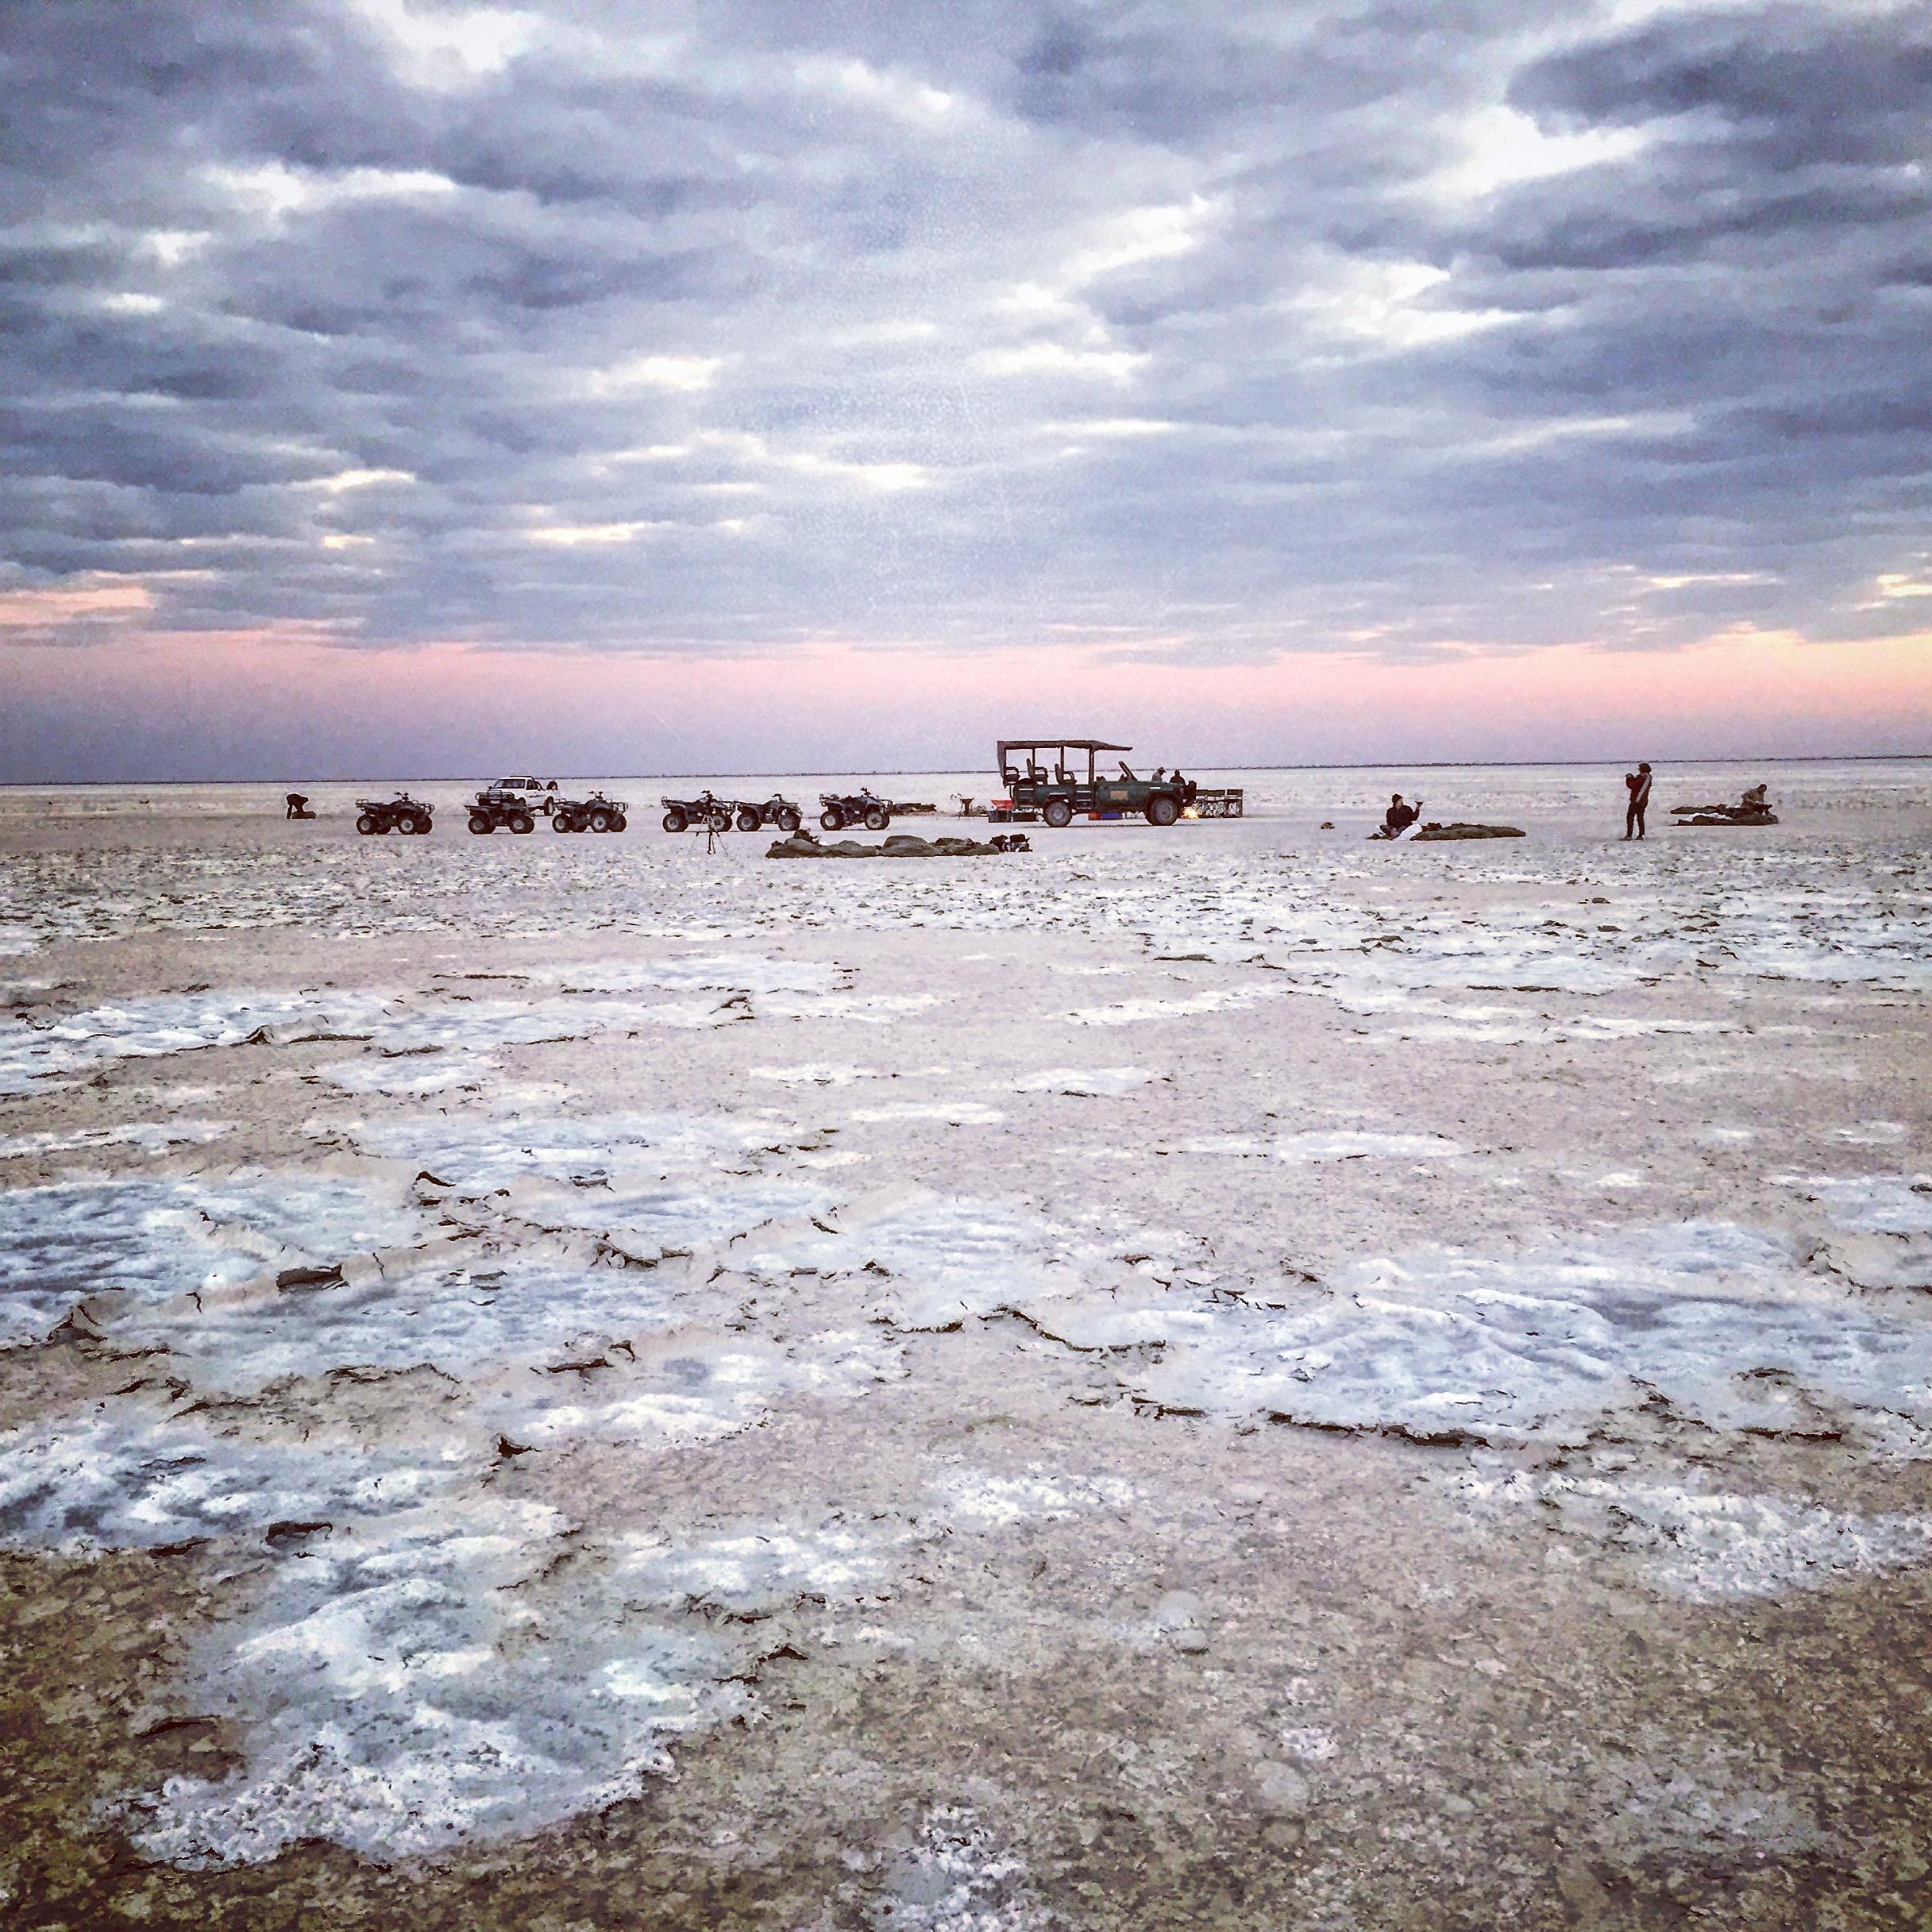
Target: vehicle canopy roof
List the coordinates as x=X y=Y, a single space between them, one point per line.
x=1061 y=744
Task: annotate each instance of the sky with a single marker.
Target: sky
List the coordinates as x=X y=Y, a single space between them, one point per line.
x=808 y=384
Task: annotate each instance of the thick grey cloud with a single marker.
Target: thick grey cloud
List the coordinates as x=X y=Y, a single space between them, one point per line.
x=1198 y=334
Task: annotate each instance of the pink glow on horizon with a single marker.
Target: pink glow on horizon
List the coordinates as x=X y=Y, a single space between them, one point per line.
x=263 y=704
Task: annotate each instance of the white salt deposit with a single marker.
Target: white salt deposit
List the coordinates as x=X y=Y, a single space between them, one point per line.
x=1298 y=1150
x=148 y=1136
x=402 y=1690
x=457 y=1319
x=1711 y=1319
x=761 y=1566
x=151 y=1239
x=955 y=1113
x=985 y=1499
x=1087 y=1082
x=1707 y=1545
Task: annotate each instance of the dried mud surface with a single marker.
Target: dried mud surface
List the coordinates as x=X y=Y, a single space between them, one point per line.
x=1229 y=1378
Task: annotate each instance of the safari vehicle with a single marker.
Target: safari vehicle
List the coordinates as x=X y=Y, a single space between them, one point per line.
x=494 y=807
x=861 y=808
x=400 y=813
x=595 y=814
x=1039 y=775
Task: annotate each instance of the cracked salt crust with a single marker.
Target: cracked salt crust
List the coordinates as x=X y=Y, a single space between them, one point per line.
x=149 y=1137
x=151 y=1239
x=1714 y=1319
x=401 y=1690
x=1707 y=1546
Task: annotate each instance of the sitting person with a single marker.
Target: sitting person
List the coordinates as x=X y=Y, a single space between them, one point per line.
x=1399 y=816
x=1753 y=800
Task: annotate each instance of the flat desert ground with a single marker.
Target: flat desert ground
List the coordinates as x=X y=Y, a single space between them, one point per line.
x=1227 y=1377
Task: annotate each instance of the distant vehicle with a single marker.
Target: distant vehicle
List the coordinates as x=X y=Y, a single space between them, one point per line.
x=778 y=812
x=861 y=808
x=1038 y=776
x=401 y=814
x=594 y=814
x=494 y=806
x=524 y=785
x=707 y=810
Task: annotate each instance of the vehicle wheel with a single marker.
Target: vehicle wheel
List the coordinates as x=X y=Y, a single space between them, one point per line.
x=1058 y=813
x=559 y=823
x=479 y=822
x=674 y=821
x=599 y=821
x=1161 y=810
x=617 y=821
x=721 y=821
x=408 y=825
x=788 y=823
x=522 y=822
x=424 y=824
x=877 y=819
x=832 y=819
x=365 y=823
x=747 y=821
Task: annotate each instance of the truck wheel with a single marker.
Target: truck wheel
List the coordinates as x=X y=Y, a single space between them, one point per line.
x=479 y=822
x=599 y=821
x=1058 y=813
x=747 y=821
x=365 y=823
x=674 y=821
x=1161 y=810
x=787 y=822
x=522 y=822
x=832 y=818
x=877 y=819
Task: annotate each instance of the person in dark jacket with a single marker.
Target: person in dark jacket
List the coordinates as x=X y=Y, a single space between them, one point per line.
x=298 y=807
x=1637 y=784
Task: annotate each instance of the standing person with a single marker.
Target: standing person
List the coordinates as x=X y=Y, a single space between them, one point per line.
x=1637 y=784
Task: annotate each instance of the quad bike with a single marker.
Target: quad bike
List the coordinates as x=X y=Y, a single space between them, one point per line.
x=494 y=806
x=709 y=813
x=778 y=812
x=862 y=808
x=401 y=814
x=594 y=814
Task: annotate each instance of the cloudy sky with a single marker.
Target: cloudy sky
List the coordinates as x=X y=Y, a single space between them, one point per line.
x=628 y=386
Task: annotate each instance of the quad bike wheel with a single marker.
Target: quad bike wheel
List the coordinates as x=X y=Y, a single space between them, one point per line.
x=788 y=823
x=832 y=818
x=1057 y=813
x=1161 y=810
x=877 y=819
x=409 y=824
x=479 y=822
x=600 y=821
x=747 y=821
x=617 y=821
x=560 y=822
x=720 y=821
x=522 y=822
x=674 y=821
x=365 y=824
